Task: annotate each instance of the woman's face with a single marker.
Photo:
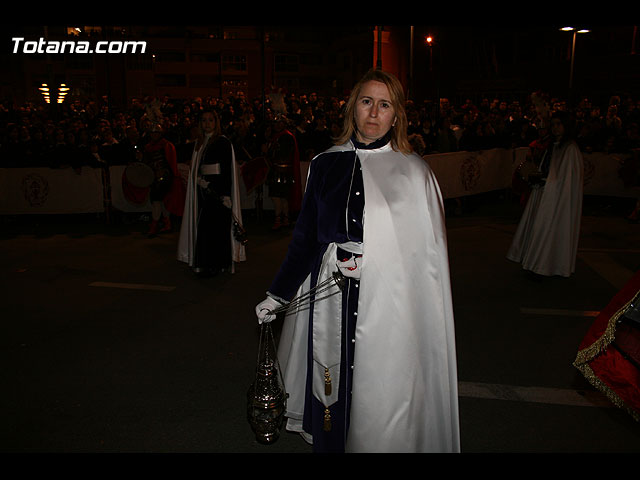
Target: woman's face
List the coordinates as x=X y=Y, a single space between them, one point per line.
x=374 y=112
x=557 y=128
x=208 y=123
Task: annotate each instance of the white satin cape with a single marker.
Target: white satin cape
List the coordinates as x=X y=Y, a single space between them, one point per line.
x=546 y=240
x=189 y=226
x=405 y=392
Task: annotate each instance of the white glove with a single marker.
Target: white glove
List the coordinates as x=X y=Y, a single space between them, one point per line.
x=226 y=201
x=202 y=182
x=264 y=309
x=350 y=267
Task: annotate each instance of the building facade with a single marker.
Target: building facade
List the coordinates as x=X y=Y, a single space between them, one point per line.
x=187 y=61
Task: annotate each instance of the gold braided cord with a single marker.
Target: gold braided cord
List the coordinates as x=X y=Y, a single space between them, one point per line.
x=604 y=388
x=600 y=345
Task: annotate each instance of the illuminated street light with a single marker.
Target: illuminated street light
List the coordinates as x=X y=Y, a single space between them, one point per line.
x=63 y=90
x=44 y=89
x=573 y=52
x=428 y=39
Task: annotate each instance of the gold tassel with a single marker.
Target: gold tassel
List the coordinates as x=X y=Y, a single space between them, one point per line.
x=327 y=382
x=327 y=420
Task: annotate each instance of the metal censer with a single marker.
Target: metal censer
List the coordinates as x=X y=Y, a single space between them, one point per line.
x=267 y=398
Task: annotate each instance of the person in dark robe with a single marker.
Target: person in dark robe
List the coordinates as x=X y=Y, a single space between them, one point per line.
x=212 y=207
x=369 y=365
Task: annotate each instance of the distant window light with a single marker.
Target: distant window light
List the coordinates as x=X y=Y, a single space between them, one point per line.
x=234 y=62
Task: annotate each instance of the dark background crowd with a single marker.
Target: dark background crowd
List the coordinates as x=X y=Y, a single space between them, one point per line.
x=96 y=134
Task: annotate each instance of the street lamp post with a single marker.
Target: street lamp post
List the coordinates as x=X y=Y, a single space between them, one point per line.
x=573 y=55
x=379 y=39
x=429 y=41
x=411 y=91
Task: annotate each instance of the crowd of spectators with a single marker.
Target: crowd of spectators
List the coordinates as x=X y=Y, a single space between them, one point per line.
x=93 y=133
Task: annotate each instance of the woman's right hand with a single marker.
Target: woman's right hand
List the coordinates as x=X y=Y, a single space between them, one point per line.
x=264 y=309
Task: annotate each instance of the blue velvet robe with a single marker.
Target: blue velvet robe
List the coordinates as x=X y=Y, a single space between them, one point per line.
x=332 y=212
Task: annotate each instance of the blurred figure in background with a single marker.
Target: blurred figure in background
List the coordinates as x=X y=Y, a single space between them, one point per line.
x=546 y=241
x=212 y=205
x=167 y=192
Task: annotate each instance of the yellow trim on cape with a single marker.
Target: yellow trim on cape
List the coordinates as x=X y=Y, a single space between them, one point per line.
x=587 y=354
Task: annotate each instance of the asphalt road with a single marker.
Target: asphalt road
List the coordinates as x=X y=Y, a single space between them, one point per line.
x=109 y=344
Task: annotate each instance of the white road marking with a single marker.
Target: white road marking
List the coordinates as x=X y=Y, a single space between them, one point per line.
x=608 y=250
x=552 y=396
x=559 y=312
x=133 y=286
x=614 y=273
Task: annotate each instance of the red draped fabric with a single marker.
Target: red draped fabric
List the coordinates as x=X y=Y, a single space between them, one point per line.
x=604 y=365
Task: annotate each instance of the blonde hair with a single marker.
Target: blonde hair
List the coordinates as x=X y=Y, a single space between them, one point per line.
x=399 y=138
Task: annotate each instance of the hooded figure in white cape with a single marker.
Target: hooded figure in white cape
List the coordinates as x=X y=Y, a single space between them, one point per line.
x=546 y=240
x=371 y=367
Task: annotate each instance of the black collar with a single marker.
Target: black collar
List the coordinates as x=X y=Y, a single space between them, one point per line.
x=381 y=142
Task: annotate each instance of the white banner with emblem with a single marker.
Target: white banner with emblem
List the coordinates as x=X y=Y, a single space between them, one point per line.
x=65 y=190
x=468 y=173
x=48 y=190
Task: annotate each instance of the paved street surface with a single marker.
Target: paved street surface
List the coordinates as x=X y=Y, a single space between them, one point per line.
x=109 y=344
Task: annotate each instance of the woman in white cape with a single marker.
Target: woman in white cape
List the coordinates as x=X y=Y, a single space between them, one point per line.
x=546 y=240
x=371 y=367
